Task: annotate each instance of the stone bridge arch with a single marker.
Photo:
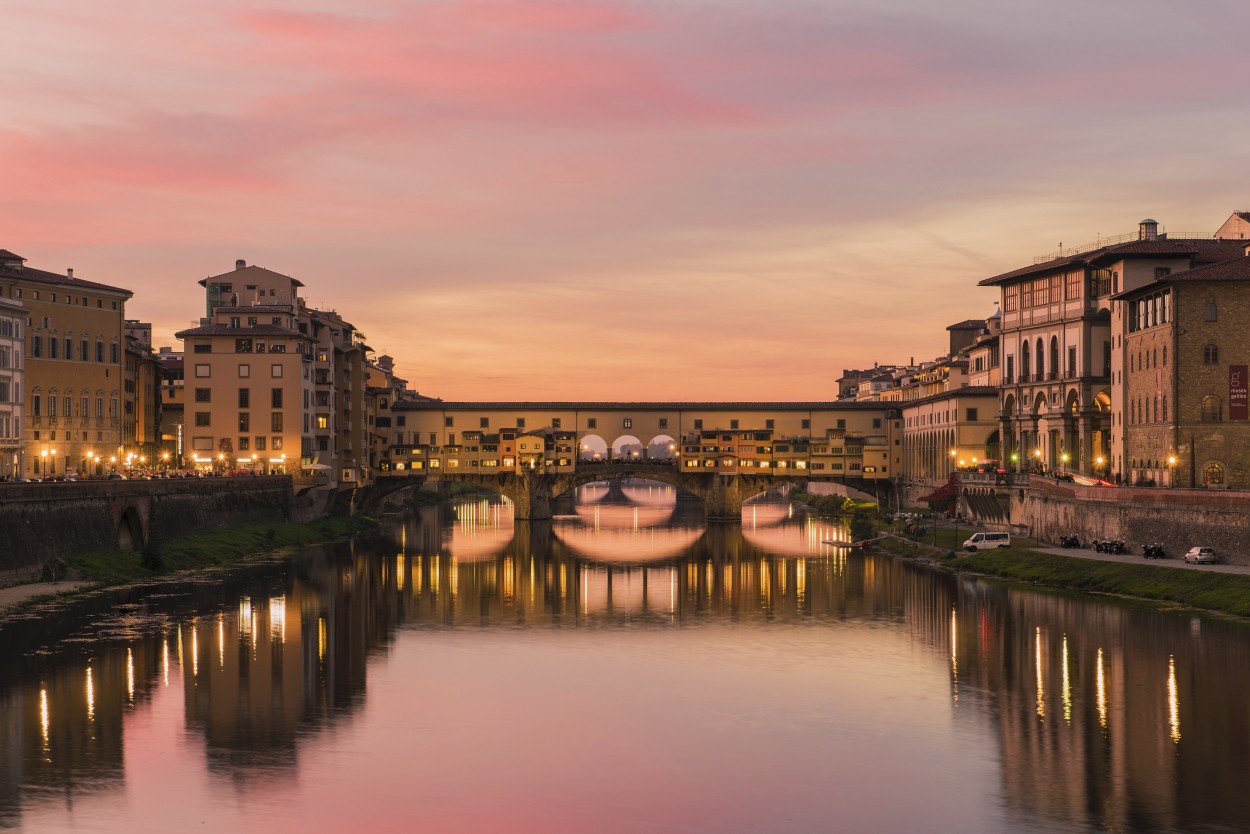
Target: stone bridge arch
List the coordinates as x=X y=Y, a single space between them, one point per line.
x=130 y=522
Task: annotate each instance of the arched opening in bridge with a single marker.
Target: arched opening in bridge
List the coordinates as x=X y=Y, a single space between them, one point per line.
x=628 y=449
x=130 y=531
x=662 y=447
x=593 y=447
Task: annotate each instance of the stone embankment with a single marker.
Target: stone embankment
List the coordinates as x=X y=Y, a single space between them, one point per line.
x=1177 y=518
x=43 y=522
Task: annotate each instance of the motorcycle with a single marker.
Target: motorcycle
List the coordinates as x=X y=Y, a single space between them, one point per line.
x=1110 y=546
x=1153 y=551
x=1070 y=541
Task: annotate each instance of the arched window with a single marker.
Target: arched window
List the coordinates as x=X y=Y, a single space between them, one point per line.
x=1211 y=411
x=1024 y=363
x=1211 y=355
x=1165 y=408
x=1054 y=356
x=1040 y=370
x=1213 y=473
x=1211 y=311
x=1165 y=356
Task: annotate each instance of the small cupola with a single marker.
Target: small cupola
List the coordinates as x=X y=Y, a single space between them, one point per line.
x=1148 y=229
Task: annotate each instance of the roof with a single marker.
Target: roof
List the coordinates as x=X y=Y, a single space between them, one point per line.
x=830 y=405
x=225 y=276
x=970 y=324
x=39 y=276
x=1206 y=251
x=245 y=330
x=1235 y=269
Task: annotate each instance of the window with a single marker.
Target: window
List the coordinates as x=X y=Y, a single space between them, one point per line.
x=664 y=422
x=972 y=415
x=1011 y=376
x=1212 y=313
x=448 y=422
x=1211 y=355
x=275 y=398
x=555 y=422
x=201 y=418
x=628 y=423
x=275 y=371
x=841 y=423
x=245 y=398
x=203 y=395
x=36 y=346
x=805 y=423
x=1162 y=271
x=203 y=371
x=733 y=424
x=1213 y=474
x=323 y=422
x=1211 y=409
x=1071 y=362
x=698 y=424
x=245 y=421
x=1011 y=299
x=245 y=371
x=483 y=423
x=99 y=351
x=520 y=422
x=84 y=352
x=113 y=353
x=876 y=422
x=260 y=444
x=1165 y=356
x=245 y=444
x=275 y=421
x=592 y=423
x=275 y=443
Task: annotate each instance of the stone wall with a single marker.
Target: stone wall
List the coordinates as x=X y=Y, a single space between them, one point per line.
x=39 y=522
x=1177 y=518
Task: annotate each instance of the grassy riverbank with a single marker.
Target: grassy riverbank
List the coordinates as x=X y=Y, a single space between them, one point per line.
x=1226 y=593
x=213 y=548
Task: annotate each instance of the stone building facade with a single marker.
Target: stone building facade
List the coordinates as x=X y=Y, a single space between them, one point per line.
x=1185 y=368
x=12 y=389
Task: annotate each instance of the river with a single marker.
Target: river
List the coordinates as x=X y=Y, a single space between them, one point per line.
x=624 y=668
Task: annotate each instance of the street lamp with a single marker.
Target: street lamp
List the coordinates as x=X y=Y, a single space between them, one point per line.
x=1171 y=470
x=1064 y=458
x=43 y=455
x=1037 y=453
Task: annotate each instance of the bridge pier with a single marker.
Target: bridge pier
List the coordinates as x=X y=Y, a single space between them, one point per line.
x=723 y=499
x=530 y=495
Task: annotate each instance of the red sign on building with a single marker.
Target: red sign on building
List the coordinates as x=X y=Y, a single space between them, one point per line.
x=1238 y=399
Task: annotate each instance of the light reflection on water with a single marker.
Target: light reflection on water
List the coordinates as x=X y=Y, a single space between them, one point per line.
x=625 y=667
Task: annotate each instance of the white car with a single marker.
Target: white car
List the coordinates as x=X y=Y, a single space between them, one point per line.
x=1200 y=556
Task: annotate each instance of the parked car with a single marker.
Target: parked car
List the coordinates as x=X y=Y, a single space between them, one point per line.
x=1200 y=556
x=983 y=541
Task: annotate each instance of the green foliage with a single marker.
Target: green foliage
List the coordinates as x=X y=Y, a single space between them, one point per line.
x=862 y=526
x=214 y=548
x=1229 y=593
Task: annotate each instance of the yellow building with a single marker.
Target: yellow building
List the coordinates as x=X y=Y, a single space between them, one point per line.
x=74 y=367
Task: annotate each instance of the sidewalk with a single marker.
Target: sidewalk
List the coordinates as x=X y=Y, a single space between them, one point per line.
x=1138 y=559
x=17 y=594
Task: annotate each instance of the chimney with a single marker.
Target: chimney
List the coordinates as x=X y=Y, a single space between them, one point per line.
x=1148 y=229
x=240 y=263
x=69 y=273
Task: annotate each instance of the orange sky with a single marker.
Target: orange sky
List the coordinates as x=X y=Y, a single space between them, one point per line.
x=539 y=199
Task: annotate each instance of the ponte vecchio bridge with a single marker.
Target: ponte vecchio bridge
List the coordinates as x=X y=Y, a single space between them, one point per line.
x=724 y=453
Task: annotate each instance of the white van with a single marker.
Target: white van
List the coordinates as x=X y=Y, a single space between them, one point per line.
x=983 y=541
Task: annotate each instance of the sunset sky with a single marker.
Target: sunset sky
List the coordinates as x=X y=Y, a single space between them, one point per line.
x=613 y=200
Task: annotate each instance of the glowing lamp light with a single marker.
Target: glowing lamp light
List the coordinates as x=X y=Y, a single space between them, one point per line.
x=1171 y=460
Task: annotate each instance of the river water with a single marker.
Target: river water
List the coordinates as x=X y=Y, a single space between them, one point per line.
x=623 y=668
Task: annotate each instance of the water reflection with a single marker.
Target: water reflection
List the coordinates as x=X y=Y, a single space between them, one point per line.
x=1077 y=705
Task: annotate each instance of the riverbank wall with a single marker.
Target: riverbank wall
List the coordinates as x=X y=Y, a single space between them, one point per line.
x=1177 y=518
x=42 y=522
